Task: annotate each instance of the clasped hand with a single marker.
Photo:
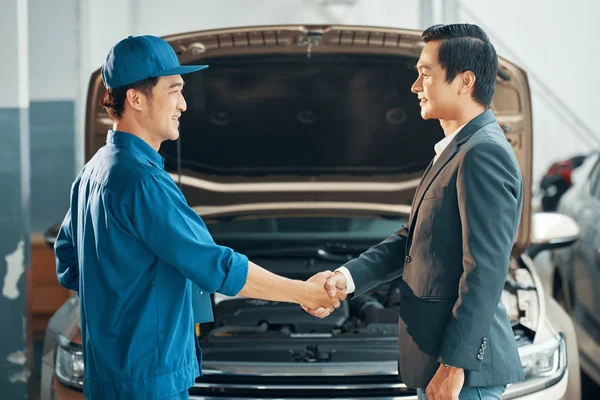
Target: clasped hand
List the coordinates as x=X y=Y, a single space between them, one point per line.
x=330 y=288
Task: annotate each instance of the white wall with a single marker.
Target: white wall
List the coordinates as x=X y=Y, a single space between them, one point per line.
x=14 y=82
x=101 y=27
x=553 y=41
x=53 y=46
x=159 y=18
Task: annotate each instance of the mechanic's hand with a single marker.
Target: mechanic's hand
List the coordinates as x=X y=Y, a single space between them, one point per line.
x=336 y=289
x=446 y=384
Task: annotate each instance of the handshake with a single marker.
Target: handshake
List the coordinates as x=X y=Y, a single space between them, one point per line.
x=326 y=290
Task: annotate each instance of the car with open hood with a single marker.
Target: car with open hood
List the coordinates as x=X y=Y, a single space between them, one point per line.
x=301 y=147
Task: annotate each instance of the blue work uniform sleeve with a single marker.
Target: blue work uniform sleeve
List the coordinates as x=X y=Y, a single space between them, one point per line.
x=67 y=269
x=177 y=235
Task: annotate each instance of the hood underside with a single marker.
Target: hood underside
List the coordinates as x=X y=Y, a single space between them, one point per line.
x=310 y=114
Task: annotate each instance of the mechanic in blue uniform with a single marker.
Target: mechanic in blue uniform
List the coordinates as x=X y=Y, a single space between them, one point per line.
x=133 y=249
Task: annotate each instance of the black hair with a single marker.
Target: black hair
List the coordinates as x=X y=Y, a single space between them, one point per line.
x=114 y=99
x=466 y=47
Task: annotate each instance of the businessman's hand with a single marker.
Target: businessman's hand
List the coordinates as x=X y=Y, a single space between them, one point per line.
x=446 y=384
x=335 y=286
x=319 y=298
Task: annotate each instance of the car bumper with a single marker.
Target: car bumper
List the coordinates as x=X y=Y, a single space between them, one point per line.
x=554 y=392
x=550 y=387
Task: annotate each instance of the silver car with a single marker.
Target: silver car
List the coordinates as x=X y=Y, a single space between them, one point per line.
x=302 y=147
x=576 y=270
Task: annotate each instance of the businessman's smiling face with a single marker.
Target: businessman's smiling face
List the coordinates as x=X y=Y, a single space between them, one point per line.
x=437 y=98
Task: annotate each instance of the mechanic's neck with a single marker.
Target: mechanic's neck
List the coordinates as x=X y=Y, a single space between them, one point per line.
x=463 y=116
x=130 y=125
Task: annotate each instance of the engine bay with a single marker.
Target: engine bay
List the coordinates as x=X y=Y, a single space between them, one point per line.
x=375 y=312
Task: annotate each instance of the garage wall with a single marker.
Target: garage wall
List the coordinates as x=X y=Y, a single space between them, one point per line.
x=196 y=15
x=14 y=196
x=52 y=90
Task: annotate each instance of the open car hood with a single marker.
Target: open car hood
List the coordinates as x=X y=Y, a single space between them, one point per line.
x=311 y=114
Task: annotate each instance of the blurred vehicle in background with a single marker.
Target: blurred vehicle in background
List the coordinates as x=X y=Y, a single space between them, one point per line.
x=557 y=180
x=576 y=277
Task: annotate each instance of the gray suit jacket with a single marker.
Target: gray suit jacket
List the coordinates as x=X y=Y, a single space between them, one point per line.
x=453 y=258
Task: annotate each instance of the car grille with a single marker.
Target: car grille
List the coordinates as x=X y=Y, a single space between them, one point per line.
x=300 y=387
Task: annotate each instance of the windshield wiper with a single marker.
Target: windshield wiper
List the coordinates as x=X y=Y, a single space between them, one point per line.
x=326 y=255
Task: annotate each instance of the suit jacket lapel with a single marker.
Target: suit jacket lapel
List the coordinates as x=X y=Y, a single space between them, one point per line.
x=432 y=172
x=444 y=158
x=412 y=210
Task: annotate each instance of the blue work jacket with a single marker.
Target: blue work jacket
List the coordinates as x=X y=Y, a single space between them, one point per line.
x=134 y=250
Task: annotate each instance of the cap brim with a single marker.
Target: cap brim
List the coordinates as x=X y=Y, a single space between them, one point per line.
x=183 y=69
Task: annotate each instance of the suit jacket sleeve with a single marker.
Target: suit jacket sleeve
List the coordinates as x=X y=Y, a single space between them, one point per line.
x=489 y=188
x=381 y=263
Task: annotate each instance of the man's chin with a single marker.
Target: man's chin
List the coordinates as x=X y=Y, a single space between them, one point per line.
x=174 y=135
x=425 y=115
x=428 y=113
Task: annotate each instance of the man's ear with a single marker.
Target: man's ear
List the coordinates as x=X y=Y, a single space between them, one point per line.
x=134 y=99
x=467 y=82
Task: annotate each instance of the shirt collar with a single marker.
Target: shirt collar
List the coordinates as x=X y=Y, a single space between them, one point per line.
x=442 y=144
x=135 y=145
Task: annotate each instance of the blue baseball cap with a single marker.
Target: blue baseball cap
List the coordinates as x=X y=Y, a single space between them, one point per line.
x=141 y=57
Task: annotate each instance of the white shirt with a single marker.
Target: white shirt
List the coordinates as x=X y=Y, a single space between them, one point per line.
x=439 y=149
x=442 y=144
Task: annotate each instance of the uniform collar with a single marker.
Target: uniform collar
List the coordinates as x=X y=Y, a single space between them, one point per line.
x=135 y=145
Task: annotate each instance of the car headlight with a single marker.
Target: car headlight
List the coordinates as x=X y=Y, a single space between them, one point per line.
x=543 y=359
x=68 y=367
x=544 y=365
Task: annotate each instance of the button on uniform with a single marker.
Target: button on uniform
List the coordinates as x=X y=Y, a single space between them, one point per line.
x=408 y=259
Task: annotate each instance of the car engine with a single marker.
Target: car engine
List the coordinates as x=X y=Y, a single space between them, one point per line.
x=375 y=312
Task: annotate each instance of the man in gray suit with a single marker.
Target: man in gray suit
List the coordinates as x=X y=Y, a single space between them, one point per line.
x=455 y=338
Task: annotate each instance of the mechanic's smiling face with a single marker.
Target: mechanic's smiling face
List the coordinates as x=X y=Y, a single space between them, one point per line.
x=162 y=110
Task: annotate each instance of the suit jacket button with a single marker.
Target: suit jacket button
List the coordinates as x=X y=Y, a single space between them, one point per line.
x=408 y=259
x=480 y=357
